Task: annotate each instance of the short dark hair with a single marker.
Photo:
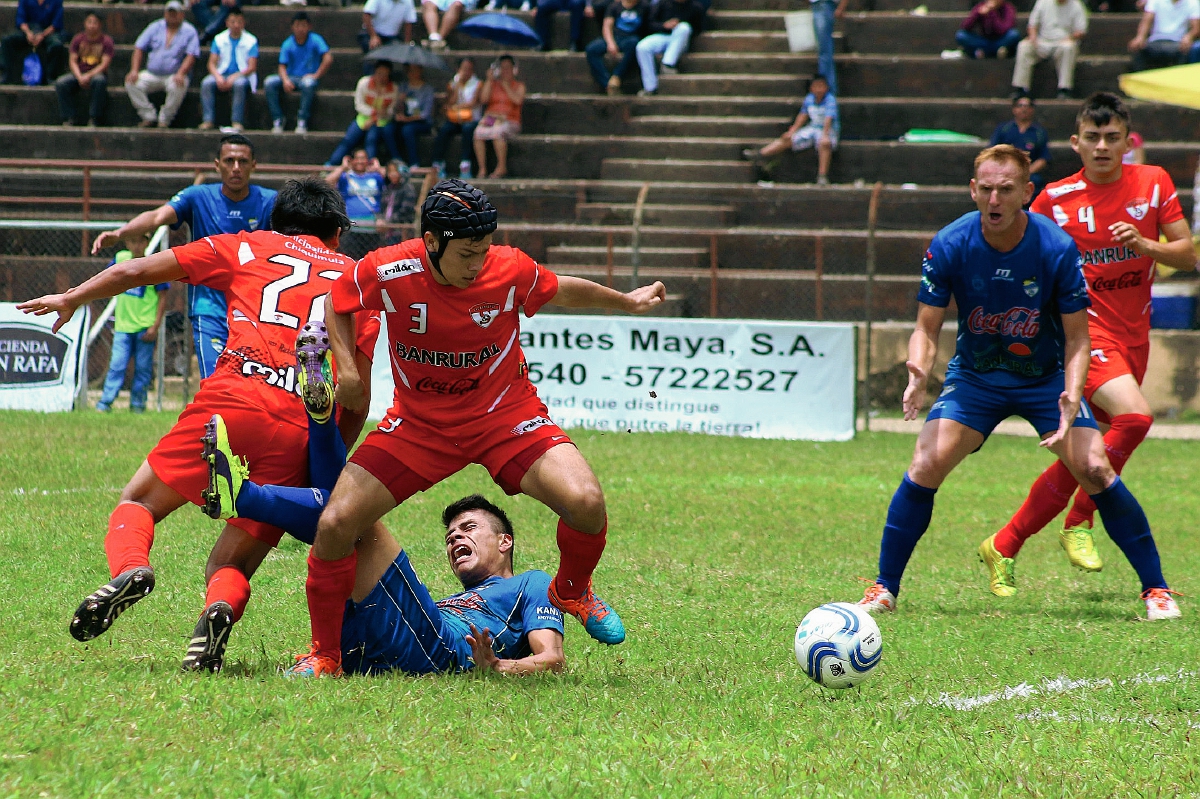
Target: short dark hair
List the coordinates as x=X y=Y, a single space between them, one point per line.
x=309 y=207
x=235 y=10
x=1101 y=108
x=300 y=16
x=818 y=77
x=93 y=14
x=235 y=139
x=477 y=502
x=1017 y=98
x=508 y=58
x=358 y=150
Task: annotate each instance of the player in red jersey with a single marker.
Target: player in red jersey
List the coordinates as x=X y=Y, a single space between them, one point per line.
x=453 y=303
x=274 y=283
x=1115 y=213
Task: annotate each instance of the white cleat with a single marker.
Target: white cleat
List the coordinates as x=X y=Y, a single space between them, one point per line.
x=1160 y=604
x=878 y=599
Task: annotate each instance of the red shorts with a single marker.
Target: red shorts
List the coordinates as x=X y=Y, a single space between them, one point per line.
x=1112 y=359
x=276 y=451
x=409 y=455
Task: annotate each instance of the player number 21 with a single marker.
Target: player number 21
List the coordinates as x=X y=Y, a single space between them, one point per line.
x=1087 y=216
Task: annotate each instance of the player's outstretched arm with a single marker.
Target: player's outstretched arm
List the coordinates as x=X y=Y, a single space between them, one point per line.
x=1176 y=252
x=162 y=267
x=1077 y=351
x=576 y=292
x=546 y=646
x=351 y=392
x=144 y=224
x=922 y=352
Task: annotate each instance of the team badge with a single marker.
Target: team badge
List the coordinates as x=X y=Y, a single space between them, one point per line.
x=1138 y=208
x=1031 y=287
x=485 y=313
x=978 y=284
x=253 y=223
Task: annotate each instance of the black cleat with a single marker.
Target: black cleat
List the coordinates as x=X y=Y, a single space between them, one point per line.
x=206 y=652
x=101 y=608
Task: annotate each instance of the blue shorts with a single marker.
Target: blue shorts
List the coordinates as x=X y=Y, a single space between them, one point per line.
x=399 y=627
x=209 y=334
x=981 y=406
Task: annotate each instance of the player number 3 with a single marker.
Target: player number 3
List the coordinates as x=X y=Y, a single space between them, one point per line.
x=419 y=321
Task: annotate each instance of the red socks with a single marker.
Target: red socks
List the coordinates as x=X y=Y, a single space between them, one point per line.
x=229 y=585
x=329 y=585
x=1047 y=498
x=578 y=554
x=1127 y=431
x=130 y=535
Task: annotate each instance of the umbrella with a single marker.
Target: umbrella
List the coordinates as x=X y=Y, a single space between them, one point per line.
x=1173 y=85
x=502 y=29
x=410 y=53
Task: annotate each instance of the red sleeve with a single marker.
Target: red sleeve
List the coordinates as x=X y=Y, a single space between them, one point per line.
x=358 y=290
x=1041 y=205
x=368 y=332
x=210 y=261
x=1170 y=210
x=543 y=284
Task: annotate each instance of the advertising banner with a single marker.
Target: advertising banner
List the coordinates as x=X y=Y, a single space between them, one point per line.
x=40 y=370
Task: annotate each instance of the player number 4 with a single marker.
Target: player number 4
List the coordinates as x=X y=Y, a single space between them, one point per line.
x=1087 y=216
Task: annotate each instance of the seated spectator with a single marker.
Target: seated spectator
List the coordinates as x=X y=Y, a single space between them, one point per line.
x=817 y=124
x=232 y=67
x=1166 y=35
x=383 y=21
x=170 y=46
x=374 y=99
x=990 y=30
x=360 y=180
x=670 y=25
x=398 y=204
x=502 y=96
x=413 y=116
x=1055 y=30
x=303 y=60
x=210 y=16
x=1136 y=152
x=136 y=322
x=1029 y=137
x=91 y=54
x=462 y=115
x=543 y=21
x=39 y=25
x=452 y=12
x=620 y=32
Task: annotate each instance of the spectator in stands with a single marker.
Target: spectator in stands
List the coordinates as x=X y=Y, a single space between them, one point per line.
x=816 y=125
x=462 y=115
x=543 y=21
x=1136 y=153
x=136 y=321
x=398 y=204
x=374 y=99
x=451 y=11
x=1166 y=35
x=622 y=29
x=170 y=47
x=824 y=13
x=39 y=28
x=671 y=24
x=360 y=180
x=303 y=61
x=502 y=96
x=383 y=20
x=210 y=16
x=1029 y=137
x=91 y=54
x=413 y=116
x=990 y=30
x=232 y=67
x=1055 y=30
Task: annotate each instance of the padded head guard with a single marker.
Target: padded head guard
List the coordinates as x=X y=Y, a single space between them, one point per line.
x=455 y=210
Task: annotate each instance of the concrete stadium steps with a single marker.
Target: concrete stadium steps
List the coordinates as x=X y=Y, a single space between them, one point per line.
x=676 y=169
x=931 y=76
x=1108 y=34
x=584 y=255
x=732 y=84
x=725 y=127
x=673 y=215
x=750 y=42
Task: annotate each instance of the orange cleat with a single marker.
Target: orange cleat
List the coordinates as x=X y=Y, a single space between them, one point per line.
x=314 y=664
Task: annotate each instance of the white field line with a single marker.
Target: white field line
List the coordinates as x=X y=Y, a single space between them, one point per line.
x=1071 y=718
x=48 y=492
x=1058 y=685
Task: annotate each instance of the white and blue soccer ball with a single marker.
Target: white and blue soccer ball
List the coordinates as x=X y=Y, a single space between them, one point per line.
x=838 y=645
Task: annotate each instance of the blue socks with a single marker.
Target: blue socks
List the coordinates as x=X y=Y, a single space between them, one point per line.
x=907 y=520
x=1127 y=526
x=296 y=510
x=326 y=453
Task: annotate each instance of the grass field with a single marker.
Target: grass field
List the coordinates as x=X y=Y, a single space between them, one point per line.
x=717 y=549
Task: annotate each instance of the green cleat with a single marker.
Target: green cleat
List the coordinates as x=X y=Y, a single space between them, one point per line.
x=1001 y=580
x=314 y=371
x=1080 y=548
x=226 y=471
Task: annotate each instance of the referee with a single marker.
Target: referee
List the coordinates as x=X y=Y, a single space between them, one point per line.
x=233 y=206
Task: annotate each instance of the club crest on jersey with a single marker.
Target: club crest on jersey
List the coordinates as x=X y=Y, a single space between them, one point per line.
x=1031 y=287
x=530 y=424
x=1138 y=208
x=401 y=268
x=485 y=313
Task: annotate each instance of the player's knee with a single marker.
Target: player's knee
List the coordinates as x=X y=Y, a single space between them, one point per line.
x=584 y=509
x=1097 y=474
x=337 y=523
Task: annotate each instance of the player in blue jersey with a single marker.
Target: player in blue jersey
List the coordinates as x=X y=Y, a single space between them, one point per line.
x=1022 y=350
x=231 y=206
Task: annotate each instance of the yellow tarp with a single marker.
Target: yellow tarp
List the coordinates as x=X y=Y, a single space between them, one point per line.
x=1174 y=85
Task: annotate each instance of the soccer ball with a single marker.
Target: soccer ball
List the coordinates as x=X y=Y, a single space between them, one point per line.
x=838 y=645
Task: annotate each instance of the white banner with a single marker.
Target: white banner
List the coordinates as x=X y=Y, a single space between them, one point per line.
x=40 y=370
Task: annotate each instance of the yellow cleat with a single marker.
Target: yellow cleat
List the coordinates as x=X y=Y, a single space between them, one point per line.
x=1001 y=580
x=1080 y=548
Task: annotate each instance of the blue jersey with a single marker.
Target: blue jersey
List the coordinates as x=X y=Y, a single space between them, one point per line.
x=361 y=193
x=1009 y=303
x=208 y=212
x=510 y=607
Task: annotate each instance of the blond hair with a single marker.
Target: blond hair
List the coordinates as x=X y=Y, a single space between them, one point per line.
x=1005 y=153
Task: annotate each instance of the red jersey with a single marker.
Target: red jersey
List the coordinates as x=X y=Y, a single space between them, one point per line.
x=1118 y=278
x=455 y=352
x=273 y=284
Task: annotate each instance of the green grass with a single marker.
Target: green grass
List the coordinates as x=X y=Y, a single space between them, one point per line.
x=717 y=549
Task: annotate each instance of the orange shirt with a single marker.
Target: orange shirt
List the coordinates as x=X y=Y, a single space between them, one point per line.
x=501 y=105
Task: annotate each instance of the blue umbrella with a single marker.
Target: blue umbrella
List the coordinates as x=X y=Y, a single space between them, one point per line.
x=502 y=29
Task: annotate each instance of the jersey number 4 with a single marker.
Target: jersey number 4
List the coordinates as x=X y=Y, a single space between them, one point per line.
x=301 y=270
x=1087 y=216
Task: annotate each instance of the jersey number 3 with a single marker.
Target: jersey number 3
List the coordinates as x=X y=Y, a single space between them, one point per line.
x=301 y=270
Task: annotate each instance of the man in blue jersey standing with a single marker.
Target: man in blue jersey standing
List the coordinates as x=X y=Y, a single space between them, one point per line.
x=1022 y=350
x=231 y=206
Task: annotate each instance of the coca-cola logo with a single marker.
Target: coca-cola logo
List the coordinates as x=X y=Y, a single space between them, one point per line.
x=448 y=387
x=1125 y=281
x=1015 y=322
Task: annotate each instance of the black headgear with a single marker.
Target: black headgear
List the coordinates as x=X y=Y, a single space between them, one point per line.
x=455 y=210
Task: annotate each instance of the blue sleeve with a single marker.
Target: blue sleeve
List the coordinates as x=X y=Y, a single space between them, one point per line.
x=143 y=40
x=995 y=136
x=321 y=45
x=1042 y=148
x=343 y=184
x=427 y=99
x=536 y=611
x=285 y=50
x=184 y=204
x=1070 y=288
x=162 y=287
x=935 y=280
x=268 y=206
x=58 y=18
x=832 y=108
x=193 y=47
x=21 y=18
x=253 y=51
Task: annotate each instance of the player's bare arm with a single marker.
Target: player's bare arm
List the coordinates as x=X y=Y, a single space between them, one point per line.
x=144 y=223
x=546 y=646
x=922 y=352
x=352 y=391
x=1076 y=353
x=162 y=267
x=1176 y=252
x=575 y=292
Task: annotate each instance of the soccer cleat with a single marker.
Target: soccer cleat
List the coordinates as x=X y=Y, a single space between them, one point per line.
x=1160 y=604
x=206 y=652
x=226 y=471
x=314 y=372
x=1001 y=579
x=314 y=664
x=878 y=599
x=596 y=615
x=100 y=609
x=1080 y=548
